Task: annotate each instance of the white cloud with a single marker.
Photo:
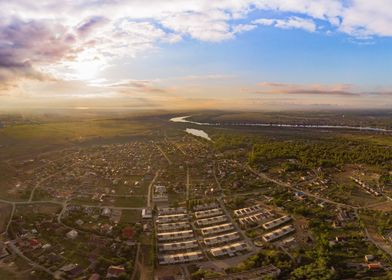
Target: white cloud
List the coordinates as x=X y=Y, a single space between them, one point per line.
x=290 y=23
x=93 y=32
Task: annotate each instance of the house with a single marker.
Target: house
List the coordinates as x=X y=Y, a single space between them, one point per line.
x=299 y=195
x=374 y=266
x=115 y=271
x=106 y=212
x=147 y=213
x=72 y=234
x=34 y=244
x=147 y=227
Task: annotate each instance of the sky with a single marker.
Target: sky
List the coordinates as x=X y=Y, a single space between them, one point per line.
x=192 y=54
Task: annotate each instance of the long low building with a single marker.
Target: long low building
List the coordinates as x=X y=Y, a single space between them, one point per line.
x=172 y=218
x=216 y=240
x=230 y=249
x=186 y=245
x=278 y=233
x=254 y=219
x=170 y=211
x=180 y=258
x=216 y=229
x=247 y=211
x=211 y=221
x=173 y=226
x=166 y=236
x=277 y=222
x=208 y=213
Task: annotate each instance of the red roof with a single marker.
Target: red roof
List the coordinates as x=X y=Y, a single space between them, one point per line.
x=374 y=266
x=127 y=232
x=34 y=242
x=115 y=271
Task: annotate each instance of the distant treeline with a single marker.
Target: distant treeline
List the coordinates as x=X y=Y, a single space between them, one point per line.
x=330 y=152
x=323 y=153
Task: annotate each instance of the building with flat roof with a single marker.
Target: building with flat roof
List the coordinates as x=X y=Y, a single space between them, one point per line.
x=167 y=236
x=254 y=219
x=277 y=222
x=171 y=218
x=147 y=213
x=216 y=229
x=180 y=258
x=173 y=226
x=278 y=233
x=169 y=211
x=208 y=213
x=220 y=239
x=248 y=210
x=230 y=249
x=176 y=246
x=211 y=221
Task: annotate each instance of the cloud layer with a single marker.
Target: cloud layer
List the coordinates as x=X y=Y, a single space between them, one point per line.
x=73 y=40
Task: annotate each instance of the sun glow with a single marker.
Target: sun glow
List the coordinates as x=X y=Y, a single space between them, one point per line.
x=87 y=70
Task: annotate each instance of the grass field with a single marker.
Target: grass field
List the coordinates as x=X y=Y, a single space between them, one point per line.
x=29 y=139
x=130 y=216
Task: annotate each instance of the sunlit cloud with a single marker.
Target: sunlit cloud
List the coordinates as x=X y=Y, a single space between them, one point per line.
x=64 y=47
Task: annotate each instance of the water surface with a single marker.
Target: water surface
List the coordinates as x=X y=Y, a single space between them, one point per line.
x=198 y=132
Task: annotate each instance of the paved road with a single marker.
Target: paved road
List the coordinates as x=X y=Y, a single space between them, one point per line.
x=216 y=179
x=149 y=195
x=187 y=182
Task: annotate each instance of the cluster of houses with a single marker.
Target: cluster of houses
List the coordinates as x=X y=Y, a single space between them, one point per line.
x=367 y=188
x=98 y=173
x=232 y=174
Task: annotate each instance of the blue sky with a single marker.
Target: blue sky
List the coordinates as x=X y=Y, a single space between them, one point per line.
x=245 y=54
x=273 y=54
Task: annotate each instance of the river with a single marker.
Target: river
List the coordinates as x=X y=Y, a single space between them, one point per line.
x=199 y=133
x=183 y=119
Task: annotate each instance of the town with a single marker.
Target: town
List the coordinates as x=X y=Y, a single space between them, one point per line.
x=173 y=205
